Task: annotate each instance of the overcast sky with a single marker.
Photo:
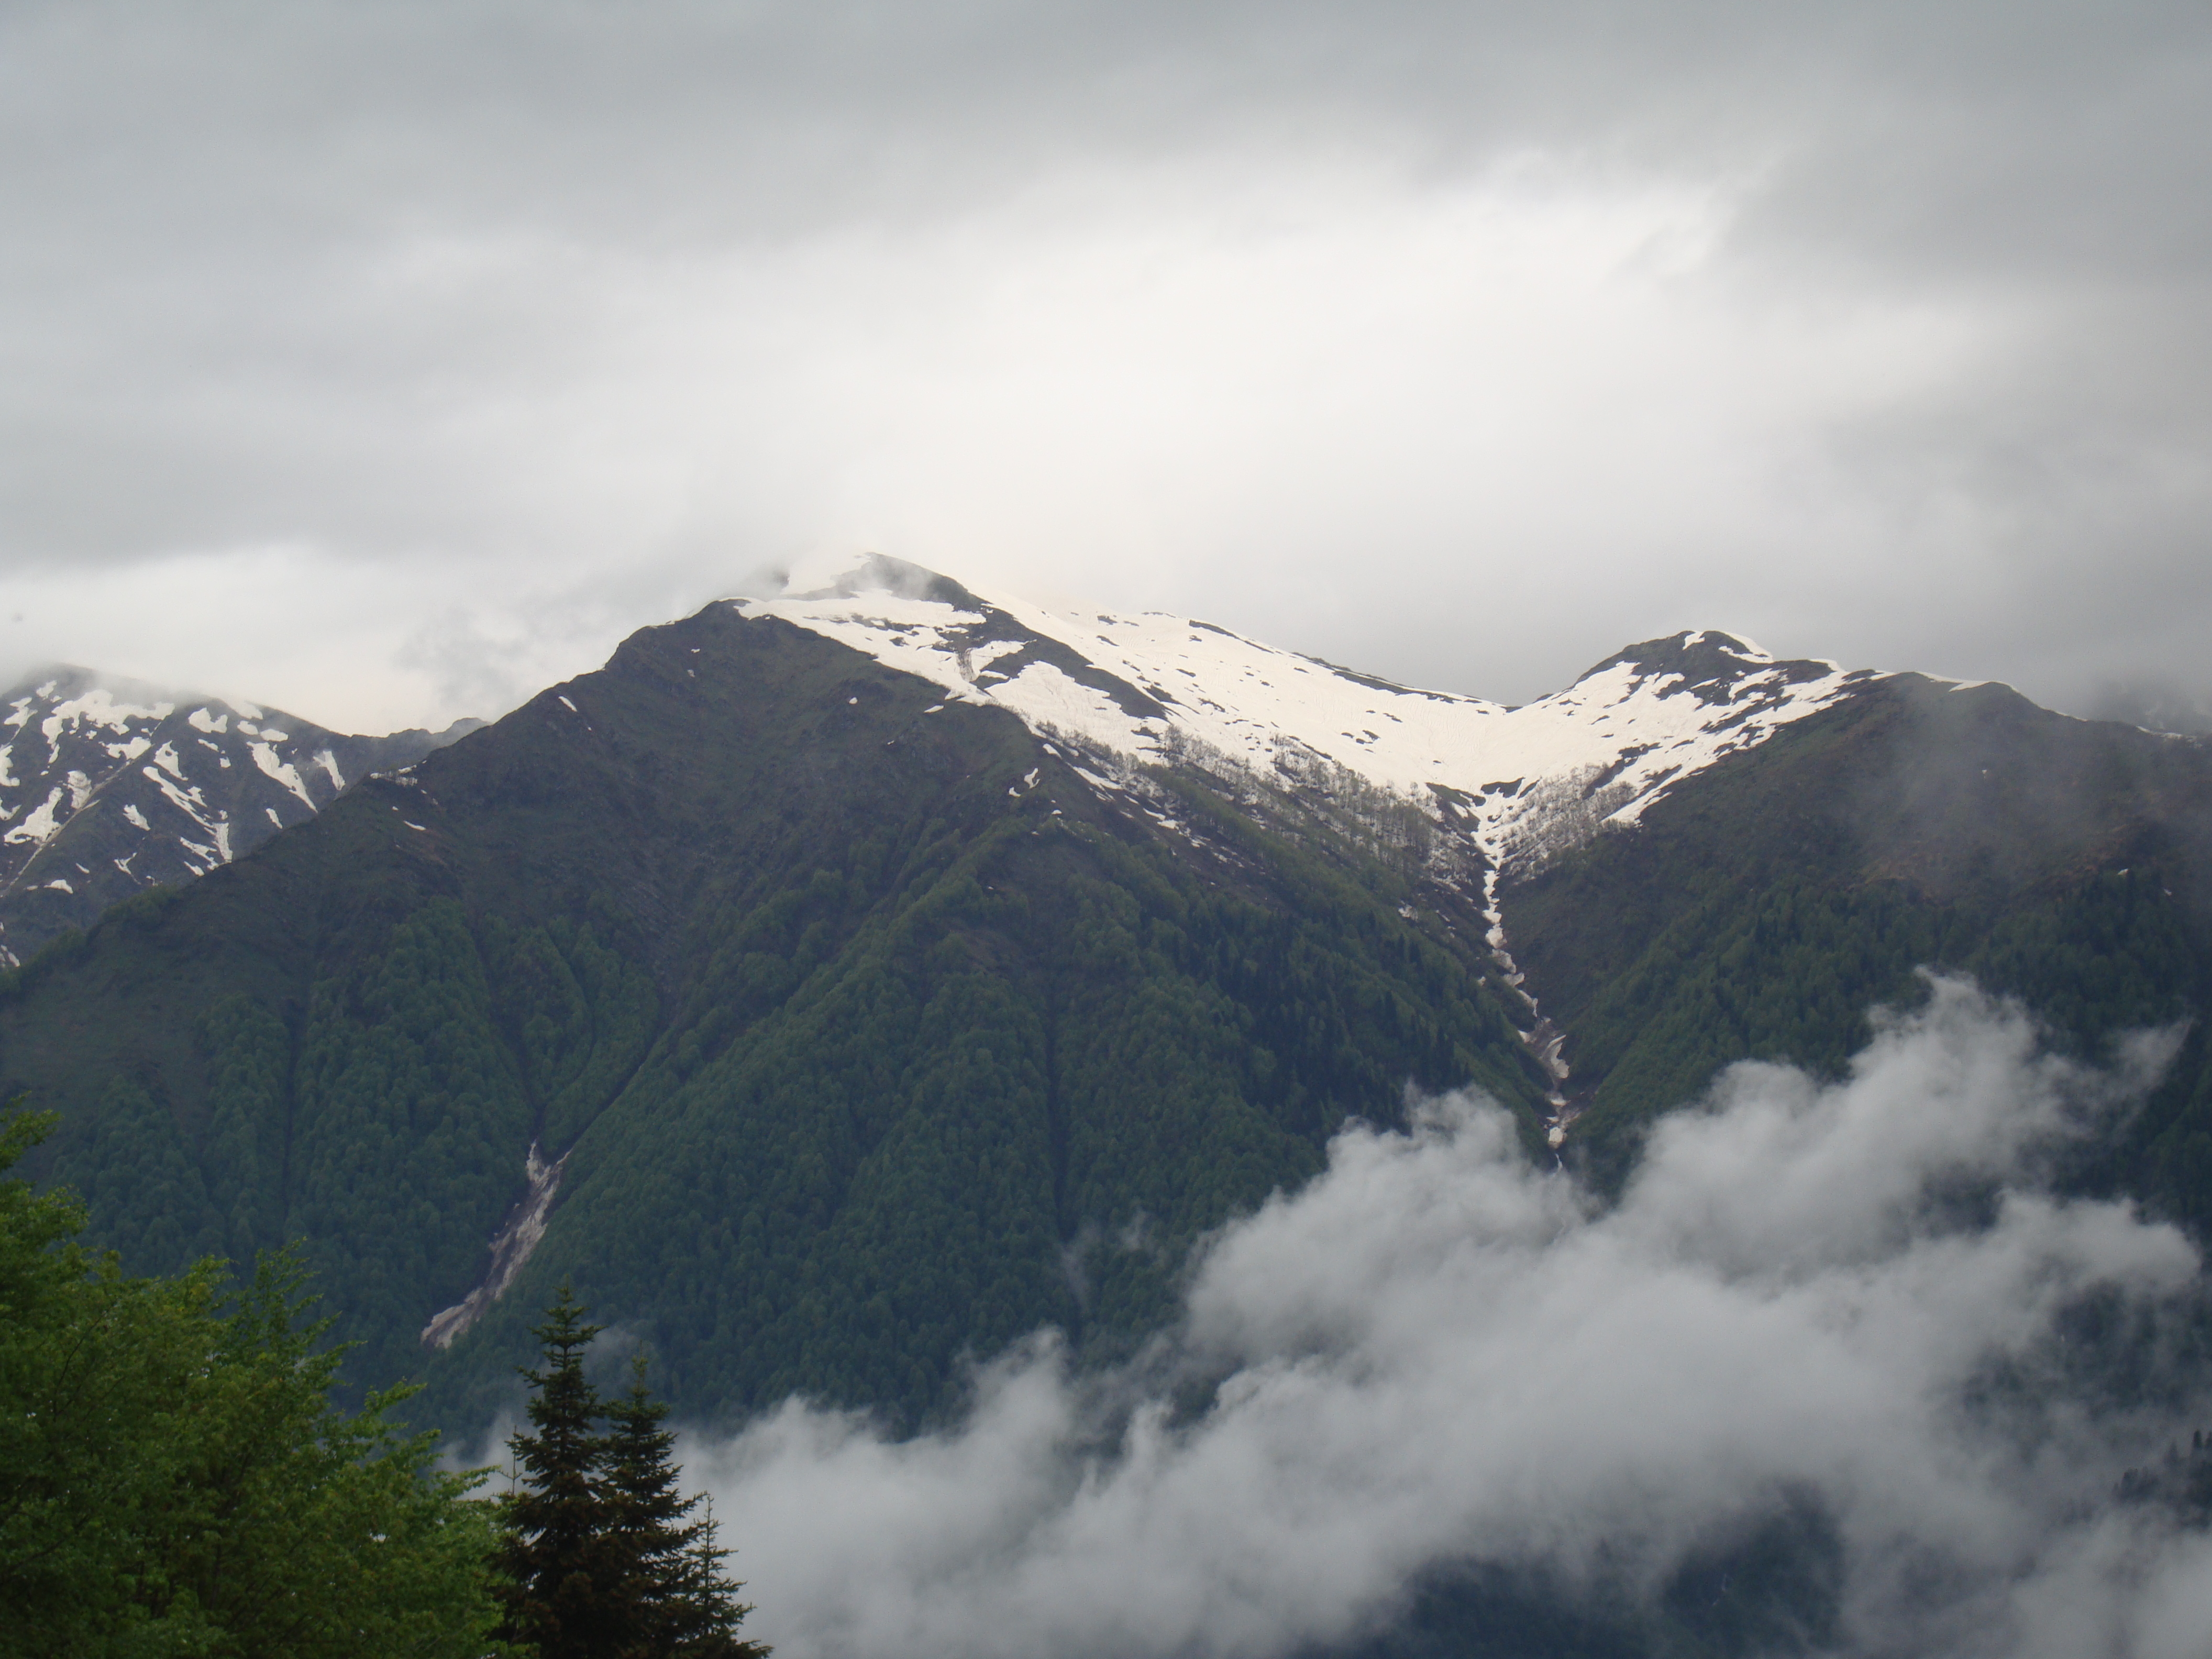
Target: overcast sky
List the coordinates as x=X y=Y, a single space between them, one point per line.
x=386 y=362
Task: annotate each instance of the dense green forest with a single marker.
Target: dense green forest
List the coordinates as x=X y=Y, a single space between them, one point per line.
x=871 y=1037
x=1765 y=911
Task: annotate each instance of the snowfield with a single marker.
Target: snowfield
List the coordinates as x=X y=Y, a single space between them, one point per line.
x=1536 y=780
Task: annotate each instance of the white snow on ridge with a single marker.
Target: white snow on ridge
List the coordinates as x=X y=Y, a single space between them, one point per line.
x=1523 y=784
x=39 y=823
x=97 y=706
x=283 y=771
x=1549 y=775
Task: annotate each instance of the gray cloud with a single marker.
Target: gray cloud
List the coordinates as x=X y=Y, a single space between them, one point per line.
x=1872 y=332
x=1436 y=1353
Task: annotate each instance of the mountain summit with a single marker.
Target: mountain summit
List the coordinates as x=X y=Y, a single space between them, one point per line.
x=111 y=786
x=845 y=983
x=1514 y=789
x=1528 y=783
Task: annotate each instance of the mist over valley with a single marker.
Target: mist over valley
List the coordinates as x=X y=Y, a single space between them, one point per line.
x=1128 y=831
x=1708 y=1161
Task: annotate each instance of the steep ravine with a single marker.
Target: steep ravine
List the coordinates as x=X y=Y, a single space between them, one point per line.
x=1544 y=1039
x=511 y=1246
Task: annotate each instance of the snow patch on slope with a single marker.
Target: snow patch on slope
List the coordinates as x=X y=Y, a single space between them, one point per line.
x=1518 y=786
x=1536 y=780
x=39 y=824
x=265 y=758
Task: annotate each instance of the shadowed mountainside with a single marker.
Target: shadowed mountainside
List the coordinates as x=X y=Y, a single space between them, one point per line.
x=1761 y=911
x=866 y=1033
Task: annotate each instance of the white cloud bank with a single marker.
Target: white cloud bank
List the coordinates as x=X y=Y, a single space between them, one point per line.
x=388 y=362
x=1438 y=1353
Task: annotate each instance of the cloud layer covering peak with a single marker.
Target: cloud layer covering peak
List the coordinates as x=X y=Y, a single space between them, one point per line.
x=1849 y=1308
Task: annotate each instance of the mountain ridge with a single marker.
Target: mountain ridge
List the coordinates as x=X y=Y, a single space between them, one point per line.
x=784 y=953
x=843 y=991
x=842 y=984
x=141 y=786
x=1518 y=786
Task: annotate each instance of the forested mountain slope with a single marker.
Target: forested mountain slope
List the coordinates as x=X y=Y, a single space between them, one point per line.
x=850 y=1029
x=838 y=985
x=1762 y=909
x=109 y=787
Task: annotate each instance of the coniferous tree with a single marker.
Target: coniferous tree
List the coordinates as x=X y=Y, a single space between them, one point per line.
x=562 y=1572
x=601 y=1557
x=680 y=1603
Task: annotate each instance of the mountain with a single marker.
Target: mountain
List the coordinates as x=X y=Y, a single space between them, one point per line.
x=1504 y=792
x=847 y=1027
x=109 y=787
x=841 y=984
x=1761 y=913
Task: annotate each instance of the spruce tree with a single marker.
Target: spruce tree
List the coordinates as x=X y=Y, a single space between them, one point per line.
x=601 y=1556
x=679 y=1603
x=561 y=1568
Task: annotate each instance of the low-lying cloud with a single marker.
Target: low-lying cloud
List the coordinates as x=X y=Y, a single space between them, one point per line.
x=1858 y=1300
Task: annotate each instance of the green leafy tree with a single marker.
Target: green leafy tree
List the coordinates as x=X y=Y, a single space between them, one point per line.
x=175 y=1480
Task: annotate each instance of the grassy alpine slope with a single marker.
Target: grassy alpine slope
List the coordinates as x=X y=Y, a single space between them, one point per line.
x=871 y=1035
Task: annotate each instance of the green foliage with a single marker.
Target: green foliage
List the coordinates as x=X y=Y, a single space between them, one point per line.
x=2114 y=953
x=579 y=1015
x=249 y=1055
x=907 y=1127
x=1791 y=973
x=559 y=1562
x=683 y=1605
x=140 y=1171
x=410 y=1123
x=1788 y=974
x=174 y=1479
x=598 y=1556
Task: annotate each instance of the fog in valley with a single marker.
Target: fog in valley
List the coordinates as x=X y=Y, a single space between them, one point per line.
x=1850 y=1309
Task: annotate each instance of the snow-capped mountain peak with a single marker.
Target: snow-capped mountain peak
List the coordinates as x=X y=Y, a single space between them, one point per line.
x=1535 y=780
x=1517 y=786
x=110 y=786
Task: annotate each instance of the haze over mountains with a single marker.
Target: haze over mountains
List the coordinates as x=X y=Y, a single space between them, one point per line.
x=844 y=986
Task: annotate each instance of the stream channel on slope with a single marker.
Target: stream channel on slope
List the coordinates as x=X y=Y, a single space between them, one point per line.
x=1543 y=1039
